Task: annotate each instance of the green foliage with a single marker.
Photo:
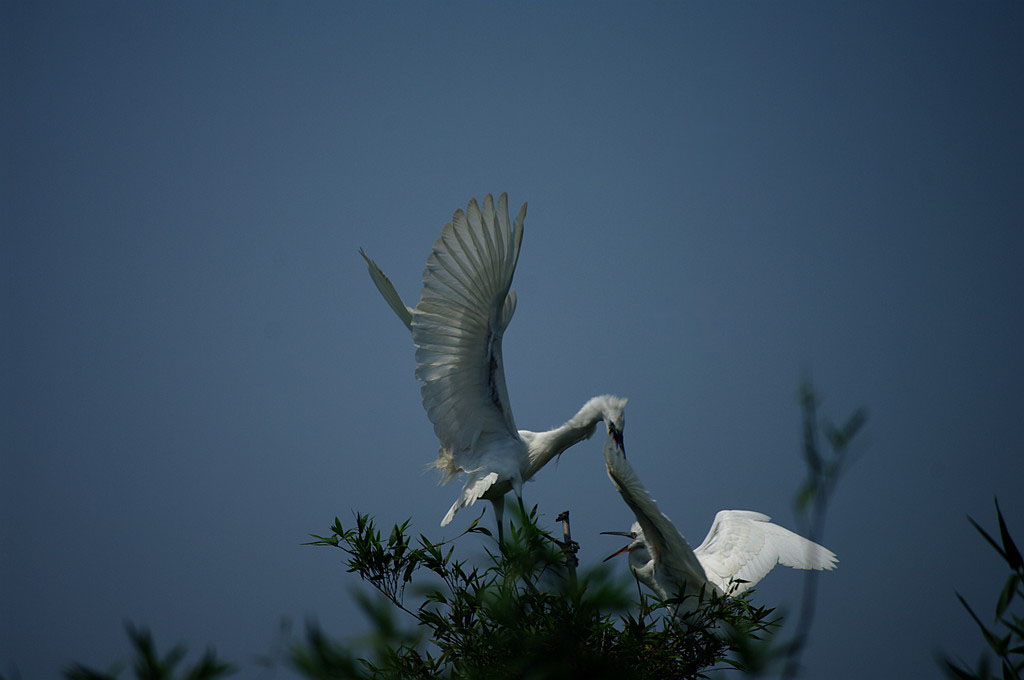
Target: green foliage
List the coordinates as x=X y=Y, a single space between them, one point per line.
x=824 y=469
x=523 y=613
x=1006 y=638
x=150 y=666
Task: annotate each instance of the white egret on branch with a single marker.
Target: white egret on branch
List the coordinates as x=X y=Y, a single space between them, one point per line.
x=465 y=306
x=741 y=545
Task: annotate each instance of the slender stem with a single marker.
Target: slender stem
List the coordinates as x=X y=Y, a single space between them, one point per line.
x=810 y=594
x=569 y=547
x=825 y=477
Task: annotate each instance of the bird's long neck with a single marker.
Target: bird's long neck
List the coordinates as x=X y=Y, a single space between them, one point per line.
x=544 y=446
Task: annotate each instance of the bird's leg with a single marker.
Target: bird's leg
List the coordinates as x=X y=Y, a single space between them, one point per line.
x=499 y=513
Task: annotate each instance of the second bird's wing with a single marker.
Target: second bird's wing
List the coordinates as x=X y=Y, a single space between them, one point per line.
x=457 y=326
x=743 y=544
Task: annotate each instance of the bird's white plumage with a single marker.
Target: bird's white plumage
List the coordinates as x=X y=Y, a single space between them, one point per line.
x=742 y=545
x=465 y=305
x=674 y=561
x=457 y=328
x=387 y=289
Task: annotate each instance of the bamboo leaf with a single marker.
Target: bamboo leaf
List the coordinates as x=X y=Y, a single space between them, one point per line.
x=1007 y=595
x=804 y=495
x=991 y=638
x=987 y=537
x=957 y=672
x=1012 y=554
x=855 y=423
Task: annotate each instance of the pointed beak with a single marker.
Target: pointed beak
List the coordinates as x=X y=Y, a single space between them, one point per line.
x=619 y=552
x=627 y=534
x=616 y=435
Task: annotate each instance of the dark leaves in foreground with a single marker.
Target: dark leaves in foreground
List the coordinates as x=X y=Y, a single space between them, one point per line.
x=1005 y=635
x=518 y=615
x=149 y=665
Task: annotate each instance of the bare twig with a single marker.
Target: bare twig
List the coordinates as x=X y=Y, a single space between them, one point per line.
x=570 y=548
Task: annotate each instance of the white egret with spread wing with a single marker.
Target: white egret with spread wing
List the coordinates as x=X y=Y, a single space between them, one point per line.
x=739 y=550
x=465 y=306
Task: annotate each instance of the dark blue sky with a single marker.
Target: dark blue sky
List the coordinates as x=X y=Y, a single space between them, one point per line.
x=724 y=197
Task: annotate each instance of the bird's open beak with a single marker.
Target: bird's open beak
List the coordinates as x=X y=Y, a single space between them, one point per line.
x=628 y=548
x=618 y=533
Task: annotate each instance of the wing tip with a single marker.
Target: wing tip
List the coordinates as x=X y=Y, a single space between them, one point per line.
x=451 y=514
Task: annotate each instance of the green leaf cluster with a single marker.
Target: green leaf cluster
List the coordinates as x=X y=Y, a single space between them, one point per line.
x=824 y=468
x=150 y=665
x=1005 y=639
x=522 y=613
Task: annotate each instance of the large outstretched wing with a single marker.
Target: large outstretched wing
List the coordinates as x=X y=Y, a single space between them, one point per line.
x=743 y=544
x=673 y=557
x=457 y=326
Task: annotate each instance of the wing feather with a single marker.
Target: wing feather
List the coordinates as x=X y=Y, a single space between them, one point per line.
x=481 y=247
x=743 y=544
x=387 y=289
x=432 y=319
x=449 y=282
x=480 y=254
x=457 y=327
x=491 y=226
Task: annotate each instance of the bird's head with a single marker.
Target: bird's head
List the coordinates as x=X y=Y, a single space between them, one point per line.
x=637 y=547
x=612 y=411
